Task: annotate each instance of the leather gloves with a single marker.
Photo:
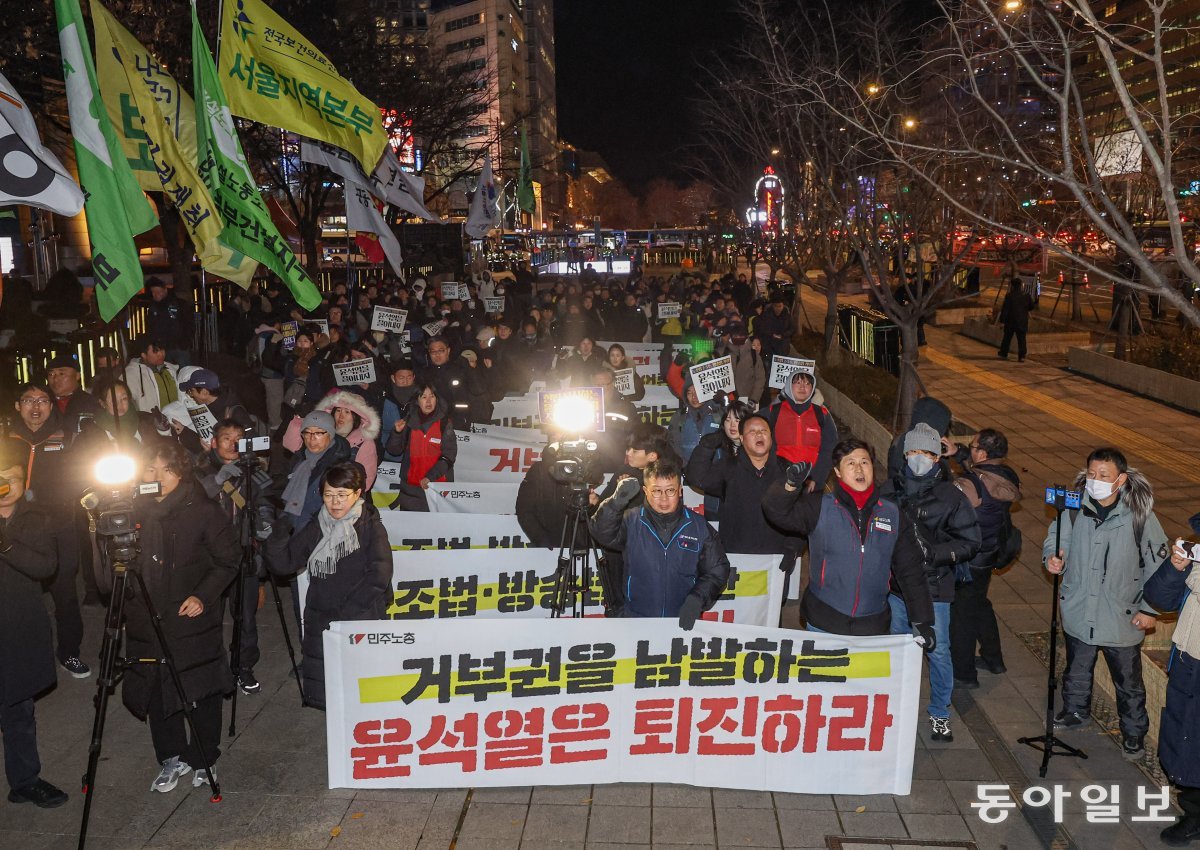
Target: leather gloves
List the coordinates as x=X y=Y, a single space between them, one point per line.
x=924 y=633
x=689 y=612
x=797 y=474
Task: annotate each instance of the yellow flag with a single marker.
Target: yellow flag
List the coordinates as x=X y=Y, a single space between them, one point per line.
x=156 y=122
x=274 y=75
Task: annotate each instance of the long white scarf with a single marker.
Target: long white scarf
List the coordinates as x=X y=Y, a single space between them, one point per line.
x=338 y=539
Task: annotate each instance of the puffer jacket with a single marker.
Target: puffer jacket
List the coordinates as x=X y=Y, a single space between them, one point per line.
x=363 y=440
x=946 y=527
x=1105 y=566
x=399 y=444
x=991 y=488
x=793 y=423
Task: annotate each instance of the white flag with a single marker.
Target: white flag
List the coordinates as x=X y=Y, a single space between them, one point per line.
x=388 y=182
x=30 y=174
x=364 y=216
x=485 y=208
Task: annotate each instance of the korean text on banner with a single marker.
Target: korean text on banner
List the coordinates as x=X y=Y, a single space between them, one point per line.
x=389 y=319
x=669 y=310
x=712 y=377
x=275 y=76
x=646 y=356
x=782 y=369
x=248 y=227
x=434 y=328
x=204 y=421
x=361 y=371
x=115 y=206
x=509 y=582
x=449 y=291
x=493 y=305
x=443 y=704
x=623 y=381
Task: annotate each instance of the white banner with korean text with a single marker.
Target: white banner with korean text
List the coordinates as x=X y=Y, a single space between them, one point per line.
x=591 y=701
x=521 y=411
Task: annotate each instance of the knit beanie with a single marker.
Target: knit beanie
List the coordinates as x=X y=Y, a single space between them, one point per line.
x=922 y=438
x=320 y=420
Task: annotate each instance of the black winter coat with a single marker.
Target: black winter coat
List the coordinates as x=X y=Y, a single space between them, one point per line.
x=357 y=590
x=946 y=528
x=740 y=486
x=26 y=650
x=1014 y=312
x=199 y=556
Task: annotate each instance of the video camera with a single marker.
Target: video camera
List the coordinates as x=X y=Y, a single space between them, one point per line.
x=110 y=505
x=573 y=462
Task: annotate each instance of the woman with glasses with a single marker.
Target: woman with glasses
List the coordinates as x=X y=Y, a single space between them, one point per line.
x=347 y=558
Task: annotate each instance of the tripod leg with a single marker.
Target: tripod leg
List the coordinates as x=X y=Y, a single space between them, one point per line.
x=169 y=659
x=235 y=644
x=106 y=681
x=287 y=640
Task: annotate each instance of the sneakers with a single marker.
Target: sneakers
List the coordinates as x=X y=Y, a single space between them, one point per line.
x=939 y=728
x=168 y=777
x=76 y=667
x=1069 y=719
x=247 y=683
x=1180 y=833
x=1132 y=748
x=995 y=669
x=41 y=793
x=201 y=777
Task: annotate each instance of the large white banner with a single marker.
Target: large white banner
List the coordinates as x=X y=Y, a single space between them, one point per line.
x=520 y=583
x=522 y=411
x=495 y=453
x=440 y=531
x=597 y=701
x=645 y=356
x=454 y=497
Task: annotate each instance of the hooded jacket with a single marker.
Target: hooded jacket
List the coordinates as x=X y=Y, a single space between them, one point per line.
x=804 y=431
x=1105 y=565
x=749 y=371
x=990 y=487
x=933 y=413
x=363 y=440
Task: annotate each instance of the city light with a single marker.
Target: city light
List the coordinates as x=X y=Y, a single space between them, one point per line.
x=873 y=89
x=1012 y=5
x=115 y=470
x=910 y=123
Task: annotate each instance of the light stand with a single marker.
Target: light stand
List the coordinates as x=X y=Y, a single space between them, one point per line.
x=1061 y=499
x=113 y=667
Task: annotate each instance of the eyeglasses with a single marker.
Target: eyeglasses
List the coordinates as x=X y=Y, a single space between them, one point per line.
x=35 y=402
x=669 y=493
x=337 y=497
x=312 y=435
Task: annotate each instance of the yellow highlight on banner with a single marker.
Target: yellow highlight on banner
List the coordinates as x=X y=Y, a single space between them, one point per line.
x=861 y=665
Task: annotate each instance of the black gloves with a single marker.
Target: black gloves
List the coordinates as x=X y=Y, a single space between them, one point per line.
x=689 y=611
x=626 y=492
x=924 y=632
x=797 y=474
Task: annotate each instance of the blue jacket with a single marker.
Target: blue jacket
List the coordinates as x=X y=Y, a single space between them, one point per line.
x=664 y=564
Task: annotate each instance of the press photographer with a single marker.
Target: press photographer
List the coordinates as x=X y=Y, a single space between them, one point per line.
x=188 y=555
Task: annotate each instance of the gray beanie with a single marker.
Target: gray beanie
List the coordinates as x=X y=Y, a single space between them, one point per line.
x=922 y=438
x=319 y=419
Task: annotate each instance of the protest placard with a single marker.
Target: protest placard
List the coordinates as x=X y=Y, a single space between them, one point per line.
x=782 y=369
x=464 y=292
x=450 y=291
x=204 y=421
x=670 y=310
x=288 y=331
x=434 y=328
x=713 y=376
x=322 y=325
x=388 y=319
x=623 y=381
x=361 y=371
x=493 y=305
x=452 y=703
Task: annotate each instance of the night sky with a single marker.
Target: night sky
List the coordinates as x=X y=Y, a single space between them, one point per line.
x=627 y=70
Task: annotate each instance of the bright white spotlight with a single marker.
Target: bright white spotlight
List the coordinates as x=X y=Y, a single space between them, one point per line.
x=574 y=414
x=115 y=470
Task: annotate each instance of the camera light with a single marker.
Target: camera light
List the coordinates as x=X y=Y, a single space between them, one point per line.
x=115 y=470
x=573 y=414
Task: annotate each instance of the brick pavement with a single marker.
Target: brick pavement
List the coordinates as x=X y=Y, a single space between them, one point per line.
x=273 y=772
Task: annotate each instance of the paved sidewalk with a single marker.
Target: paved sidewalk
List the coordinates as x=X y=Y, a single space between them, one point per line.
x=274 y=772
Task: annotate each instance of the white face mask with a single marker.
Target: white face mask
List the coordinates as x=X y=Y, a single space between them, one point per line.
x=920 y=465
x=1099 y=490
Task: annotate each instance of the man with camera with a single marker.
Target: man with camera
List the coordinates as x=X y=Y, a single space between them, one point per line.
x=675 y=565
x=1110 y=548
x=26 y=660
x=223 y=477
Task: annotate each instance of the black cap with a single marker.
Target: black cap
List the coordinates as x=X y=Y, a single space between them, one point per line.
x=63 y=361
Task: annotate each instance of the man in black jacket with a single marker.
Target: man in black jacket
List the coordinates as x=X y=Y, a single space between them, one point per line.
x=948 y=534
x=674 y=563
x=26 y=659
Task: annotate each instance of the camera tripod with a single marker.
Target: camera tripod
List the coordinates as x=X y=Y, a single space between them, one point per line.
x=113 y=667
x=573 y=577
x=246 y=570
x=1048 y=743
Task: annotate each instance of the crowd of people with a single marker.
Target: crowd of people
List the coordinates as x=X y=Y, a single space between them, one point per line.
x=902 y=544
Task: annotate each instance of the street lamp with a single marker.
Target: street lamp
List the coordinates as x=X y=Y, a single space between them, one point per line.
x=910 y=123
x=774 y=151
x=873 y=89
x=1012 y=5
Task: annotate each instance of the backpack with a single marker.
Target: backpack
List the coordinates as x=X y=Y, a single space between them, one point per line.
x=1008 y=543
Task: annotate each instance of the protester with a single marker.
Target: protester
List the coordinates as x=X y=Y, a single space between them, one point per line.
x=1105 y=548
x=749 y=366
x=425 y=445
x=355 y=421
x=693 y=419
x=804 y=431
x=300 y=492
x=71 y=402
x=1014 y=317
x=203 y=387
x=674 y=563
x=617 y=361
x=188 y=556
x=27 y=558
x=169 y=320
x=151 y=378
x=346 y=554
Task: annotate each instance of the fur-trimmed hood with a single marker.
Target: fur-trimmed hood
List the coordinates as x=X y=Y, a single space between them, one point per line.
x=1137 y=494
x=341 y=398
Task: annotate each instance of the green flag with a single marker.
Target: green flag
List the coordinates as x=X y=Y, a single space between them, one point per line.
x=247 y=223
x=525 y=197
x=115 y=206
